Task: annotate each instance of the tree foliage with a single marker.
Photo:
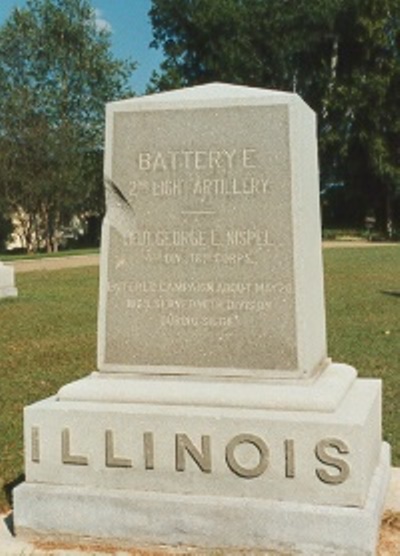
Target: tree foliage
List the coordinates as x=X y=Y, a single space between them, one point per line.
x=341 y=56
x=56 y=73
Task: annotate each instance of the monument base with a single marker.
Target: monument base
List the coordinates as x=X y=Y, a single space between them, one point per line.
x=205 y=521
x=208 y=475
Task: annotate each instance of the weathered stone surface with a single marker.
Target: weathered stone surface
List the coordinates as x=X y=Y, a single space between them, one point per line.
x=303 y=456
x=324 y=394
x=206 y=521
x=211 y=243
x=215 y=418
x=7 y=281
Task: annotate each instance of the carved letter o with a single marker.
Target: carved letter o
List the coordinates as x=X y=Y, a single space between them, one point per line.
x=238 y=469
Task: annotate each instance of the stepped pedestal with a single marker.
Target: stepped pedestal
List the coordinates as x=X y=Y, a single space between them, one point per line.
x=216 y=418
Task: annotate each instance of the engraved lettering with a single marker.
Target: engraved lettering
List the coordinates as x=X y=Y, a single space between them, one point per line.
x=249 y=158
x=196 y=322
x=343 y=468
x=215 y=159
x=246 y=455
x=245 y=238
x=197 y=160
x=277 y=287
x=184 y=304
x=230 y=186
x=148 y=447
x=230 y=156
x=198 y=238
x=174 y=163
x=137 y=186
x=201 y=458
x=66 y=456
x=187 y=157
x=35 y=444
x=221 y=288
x=216 y=239
x=144 y=161
x=200 y=160
x=167 y=238
x=202 y=304
x=289 y=459
x=111 y=459
x=167 y=188
x=159 y=162
x=236 y=467
x=221 y=259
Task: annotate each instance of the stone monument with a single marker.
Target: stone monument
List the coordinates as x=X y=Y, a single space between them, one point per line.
x=215 y=418
x=7 y=281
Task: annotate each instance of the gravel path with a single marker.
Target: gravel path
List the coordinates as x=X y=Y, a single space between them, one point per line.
x=55 y=263
x=358 y=243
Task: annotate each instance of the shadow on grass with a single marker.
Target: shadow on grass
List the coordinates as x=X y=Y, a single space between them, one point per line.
x=9 y=487
x=8 y=490
x=9 y=523
x=392 y=293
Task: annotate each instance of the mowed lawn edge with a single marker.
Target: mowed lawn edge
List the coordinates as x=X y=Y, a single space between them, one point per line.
x=48 y=338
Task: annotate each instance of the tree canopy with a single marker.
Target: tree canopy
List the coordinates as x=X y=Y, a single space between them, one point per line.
x=341 y=56
x=56 y=73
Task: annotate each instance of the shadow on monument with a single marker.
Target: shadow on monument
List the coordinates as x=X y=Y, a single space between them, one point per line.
x=8 y=490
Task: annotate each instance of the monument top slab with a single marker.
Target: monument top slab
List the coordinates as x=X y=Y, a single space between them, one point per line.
x=211 y=251
x=213 y=94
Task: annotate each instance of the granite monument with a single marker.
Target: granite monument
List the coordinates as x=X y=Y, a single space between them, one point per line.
x=216 y=417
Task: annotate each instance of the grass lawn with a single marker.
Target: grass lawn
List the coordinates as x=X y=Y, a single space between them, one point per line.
x=48 y=337
x=63 y=253
x=363 y=318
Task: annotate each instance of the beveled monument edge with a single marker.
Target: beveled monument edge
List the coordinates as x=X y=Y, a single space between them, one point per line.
x=322 y=393
x=231 y=523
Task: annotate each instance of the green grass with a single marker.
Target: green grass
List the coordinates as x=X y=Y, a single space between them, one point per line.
x=363 y=318
x=41 y=255
x=48 y=337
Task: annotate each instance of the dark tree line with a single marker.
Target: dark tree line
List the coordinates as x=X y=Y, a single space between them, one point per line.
x=341 y=56
x=57 y=71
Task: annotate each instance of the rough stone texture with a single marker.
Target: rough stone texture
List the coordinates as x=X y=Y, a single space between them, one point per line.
x=216 y=418
x=7 y=282
x=211 y=242
x=206 y=520
x=356 y=423
x=322 y=394
x=58 y=545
